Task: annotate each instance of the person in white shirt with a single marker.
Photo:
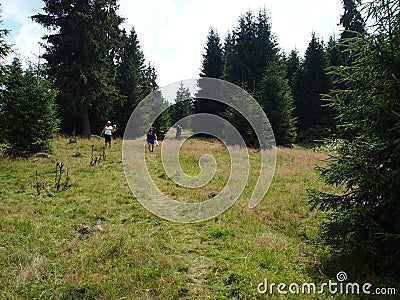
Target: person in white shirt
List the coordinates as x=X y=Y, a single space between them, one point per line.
x=107 y=132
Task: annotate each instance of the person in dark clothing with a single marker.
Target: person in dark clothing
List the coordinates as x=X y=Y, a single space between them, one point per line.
x=151 y=138
x=178 y=132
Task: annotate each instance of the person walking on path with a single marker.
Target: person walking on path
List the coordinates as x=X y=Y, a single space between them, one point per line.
x=151 y=138
x=178 y=132
x=107 y=132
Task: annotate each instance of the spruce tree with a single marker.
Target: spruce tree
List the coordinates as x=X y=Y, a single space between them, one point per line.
x=28 y=114
x=276 y=99
x=163 y=122
x=80 y=53
x=351 y=20
x=130 y=78
x=292 y=67
x=249 y=48
x=353 y=24
x=149 y=77
x=5 y=48
x=313 y=119
x=212 y=59
x=212 y=66
x=334 y=54
x=363 y=215
x=228 y=54
x=182 y=107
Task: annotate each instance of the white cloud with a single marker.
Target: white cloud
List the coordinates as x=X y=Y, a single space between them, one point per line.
x=173 y=33
x=11 y=9
x=25 y=33
x=27 y=42
x=20 y=11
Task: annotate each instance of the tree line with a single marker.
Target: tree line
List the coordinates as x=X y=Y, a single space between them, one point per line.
x=99 y=72
x=289 y=88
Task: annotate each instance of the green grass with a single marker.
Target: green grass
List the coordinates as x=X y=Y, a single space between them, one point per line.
x=93 y=240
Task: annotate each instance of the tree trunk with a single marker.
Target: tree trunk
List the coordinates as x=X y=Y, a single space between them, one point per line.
x=85 y=123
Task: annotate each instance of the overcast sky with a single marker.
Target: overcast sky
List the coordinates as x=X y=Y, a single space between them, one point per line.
x=173 y=33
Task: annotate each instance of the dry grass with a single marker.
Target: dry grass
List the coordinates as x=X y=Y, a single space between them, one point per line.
x=129 y=253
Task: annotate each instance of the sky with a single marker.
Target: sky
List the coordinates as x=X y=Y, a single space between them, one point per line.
x=173 y=33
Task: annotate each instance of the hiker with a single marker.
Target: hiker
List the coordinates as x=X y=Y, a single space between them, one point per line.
x=107 y=131
x=151 y=138
x=178 y=132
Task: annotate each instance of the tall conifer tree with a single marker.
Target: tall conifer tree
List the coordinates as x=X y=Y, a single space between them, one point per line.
x=212 y=66
x=362 y=216
x=182 y=107
x=249 y=48
x=353 y=24
x=80 y=53
x=5 y=49
x=311 y=82
x=276 y=99
x=212 y=59
x=131 y=73
x=248 y=51
x=292 y=67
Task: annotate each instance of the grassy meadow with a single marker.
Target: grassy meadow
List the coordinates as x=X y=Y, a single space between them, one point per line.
x=92 y=239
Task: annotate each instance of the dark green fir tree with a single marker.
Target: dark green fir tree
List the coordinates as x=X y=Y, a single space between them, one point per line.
x=276 y=100
x=130 y=79
x=28 y=112
x=80 y=52
x=362 y=216
x=314 y=120
x=183 y=106
x=212 y=66
x=292 y=67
